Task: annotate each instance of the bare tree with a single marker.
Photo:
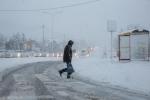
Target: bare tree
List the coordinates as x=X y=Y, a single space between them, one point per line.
x=16 y=42
x=2 y=41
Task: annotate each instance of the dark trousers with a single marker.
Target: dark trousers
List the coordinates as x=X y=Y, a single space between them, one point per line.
x=69 y=70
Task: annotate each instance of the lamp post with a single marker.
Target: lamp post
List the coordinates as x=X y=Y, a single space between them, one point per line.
x=52 y=15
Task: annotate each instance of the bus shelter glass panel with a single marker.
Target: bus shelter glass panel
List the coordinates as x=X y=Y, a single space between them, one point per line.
x=124 y=47
x=139 y=47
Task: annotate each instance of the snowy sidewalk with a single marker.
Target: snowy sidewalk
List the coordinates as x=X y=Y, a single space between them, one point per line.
x=132 y=75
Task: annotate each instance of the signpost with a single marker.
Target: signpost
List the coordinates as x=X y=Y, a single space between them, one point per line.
x=111 y=27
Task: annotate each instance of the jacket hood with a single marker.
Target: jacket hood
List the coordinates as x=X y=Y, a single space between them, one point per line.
x=70 y=42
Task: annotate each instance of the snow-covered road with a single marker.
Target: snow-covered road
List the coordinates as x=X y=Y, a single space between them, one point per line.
x=9 y=64
x=41 y=81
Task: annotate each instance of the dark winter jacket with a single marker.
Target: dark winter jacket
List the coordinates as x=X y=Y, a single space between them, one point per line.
x=67 y=57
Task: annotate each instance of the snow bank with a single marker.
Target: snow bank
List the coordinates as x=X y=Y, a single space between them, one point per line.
x=9 y=64
x=133 y=75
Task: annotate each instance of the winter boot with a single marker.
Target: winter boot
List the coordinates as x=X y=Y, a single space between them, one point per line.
x=60 y=73
x=68 y=75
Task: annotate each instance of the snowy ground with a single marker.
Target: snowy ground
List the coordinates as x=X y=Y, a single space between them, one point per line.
x=41 y=81
x=133 y=75
x=11 y=62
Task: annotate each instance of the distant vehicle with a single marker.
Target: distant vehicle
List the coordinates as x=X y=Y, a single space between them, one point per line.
x=59 y=54
x=84 y=53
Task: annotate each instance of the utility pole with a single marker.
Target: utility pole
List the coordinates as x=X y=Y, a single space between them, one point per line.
x=43 y=39
x=111 y=32
x=52 y=32
x=64 y=43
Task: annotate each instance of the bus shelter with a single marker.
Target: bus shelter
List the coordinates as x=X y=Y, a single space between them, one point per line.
x=134 y=45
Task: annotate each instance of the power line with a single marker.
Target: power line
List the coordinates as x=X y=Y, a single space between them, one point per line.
x=53 y=8
x=73 y=5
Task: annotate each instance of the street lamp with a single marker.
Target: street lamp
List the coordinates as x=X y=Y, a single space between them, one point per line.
x=52 y=26
x=52 y=15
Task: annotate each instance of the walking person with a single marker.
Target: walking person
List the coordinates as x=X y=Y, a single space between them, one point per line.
x=67 y=57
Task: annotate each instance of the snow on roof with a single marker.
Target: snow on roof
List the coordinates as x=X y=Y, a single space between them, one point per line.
x=134 y=32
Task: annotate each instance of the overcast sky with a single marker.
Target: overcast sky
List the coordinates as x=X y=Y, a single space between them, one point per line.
x=88 y=22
